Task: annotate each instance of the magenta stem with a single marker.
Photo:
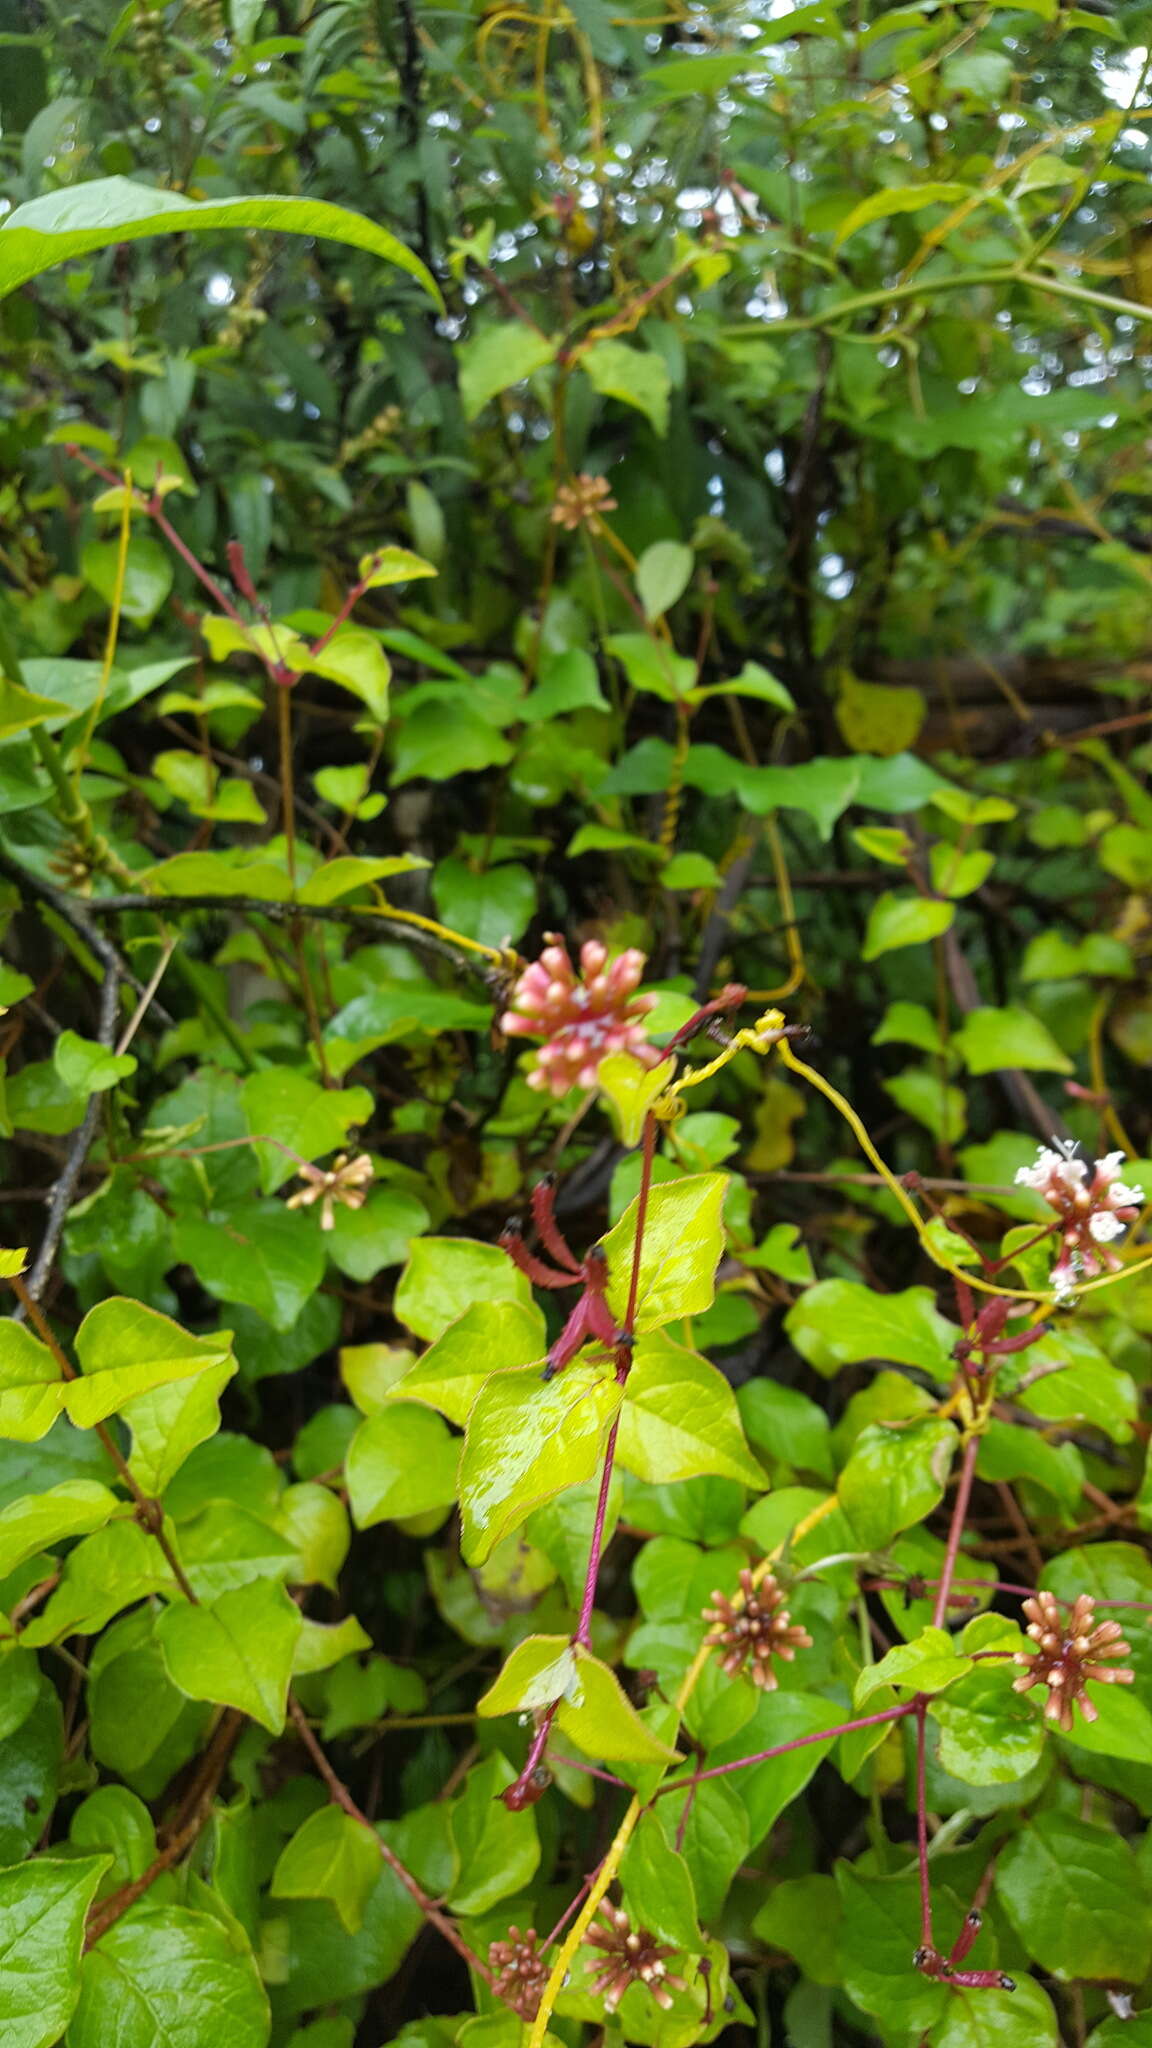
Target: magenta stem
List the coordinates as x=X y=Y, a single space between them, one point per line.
x=764 y=1756
x=345 y=611
x=956 y=1530
x=583 y=1633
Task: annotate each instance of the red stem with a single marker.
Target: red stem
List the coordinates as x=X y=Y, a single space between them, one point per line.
x=583 y=1633
x=956 y=1530
x=764 y=1756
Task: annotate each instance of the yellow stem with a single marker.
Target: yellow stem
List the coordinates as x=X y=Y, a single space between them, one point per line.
x=611 y=1863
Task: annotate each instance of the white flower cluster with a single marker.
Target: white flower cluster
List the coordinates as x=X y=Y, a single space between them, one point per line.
x=1094 y=1207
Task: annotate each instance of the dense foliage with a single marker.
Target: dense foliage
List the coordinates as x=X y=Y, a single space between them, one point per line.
x=574 y=648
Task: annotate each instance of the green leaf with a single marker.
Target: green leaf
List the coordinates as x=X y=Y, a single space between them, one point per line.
x=658 y=1888
x=354 y=658
x=989 y=1735
x=491 y=905
x=663 y=574
x=752 y=681
x=680 y=1251
x=1078 y=1899
x=315 y=1522
x=111 y=1569
x=631 y=1089
x=37 y=1521
x=496 y=358
x=879 y=1933
x=1053 y=956
x=637 y=377
x=895 y=1477
x=990 y=1039
x=87 y=1068
x=899 y=920
x=680 y=1419
x=597 y=1714
x=446 y=1275
x=650 y=665
x=991 y=2018
x=363 y=1241
x=1122 y=1728
x=822 y=789
x=899 y=199
x=493 y=1336
x=320 y=1646
x=528 y=1439
x=927 y=1664
x=499 y=1851
x=43 y=1905
x=539 y=1671
x=19 y=1688
x=31 y=1389
x=802 y=1916
x=332 y=1856
x=786 y=1425
x=401 y=1462
x=842 y=1322
x=237 y=1651
x=169 y=1422
x=127 y=1349
x=778 y=1718
x=282 y=1103
x=342 y=877
x=21 y=709
x=392 y=564
x=103 y=211
x=165 y=1977
x=148 y=570
x=259 y=1253
x=909 y=1024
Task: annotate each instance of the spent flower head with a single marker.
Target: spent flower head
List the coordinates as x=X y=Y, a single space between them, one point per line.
x=1071 y=1647
x=346 y=1181
x=632 y=1955
x=1093 y=1206
x=581 y=1018
x=585 y=498
x=753 y=1630
x=519 y=1971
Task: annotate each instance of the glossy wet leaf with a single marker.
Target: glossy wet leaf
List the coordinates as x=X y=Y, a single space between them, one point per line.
x=527 y=1439
x=167 y=1975
x=447 y=1275
x=494 y=1336
x=679 y=1253
x=895 y=1477
x=42 y=1909
x=680 y=1418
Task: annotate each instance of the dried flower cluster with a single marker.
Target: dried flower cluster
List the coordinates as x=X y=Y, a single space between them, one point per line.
x=1070 y=1649
x=519 y=1971
x=631 y=1956
x=580 y=1019
x=753 y=1630
x=1093 y=1209
x=346 y=1181
x=585 y=498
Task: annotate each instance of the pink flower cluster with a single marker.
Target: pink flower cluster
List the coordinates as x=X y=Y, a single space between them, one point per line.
x=582 y=1019
x=1092 y=1210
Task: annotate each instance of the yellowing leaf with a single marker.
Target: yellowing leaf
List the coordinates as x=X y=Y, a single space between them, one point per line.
x=680 y=1251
